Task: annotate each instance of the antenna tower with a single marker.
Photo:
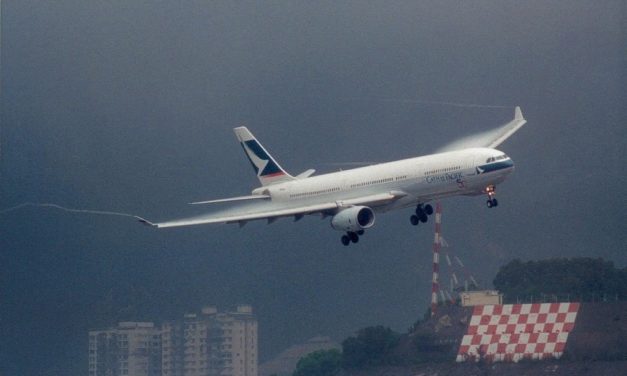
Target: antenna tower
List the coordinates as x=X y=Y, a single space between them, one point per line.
x=435 y=284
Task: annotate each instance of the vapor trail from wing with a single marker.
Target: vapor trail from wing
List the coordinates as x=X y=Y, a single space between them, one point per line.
x=439 y=103
x=70 y=210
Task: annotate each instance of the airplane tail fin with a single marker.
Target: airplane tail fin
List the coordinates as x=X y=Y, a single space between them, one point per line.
x=267 y=169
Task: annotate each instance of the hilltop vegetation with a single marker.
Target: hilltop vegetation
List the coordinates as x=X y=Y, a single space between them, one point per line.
x=370 y=347
x=581 y=279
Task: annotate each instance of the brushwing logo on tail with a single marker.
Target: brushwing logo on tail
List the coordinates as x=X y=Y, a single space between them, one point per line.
x=261 y=161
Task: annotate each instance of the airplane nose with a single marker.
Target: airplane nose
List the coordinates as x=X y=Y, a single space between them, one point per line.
x=509 y=165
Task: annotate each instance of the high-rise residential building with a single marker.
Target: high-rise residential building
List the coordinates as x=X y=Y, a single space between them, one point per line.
x=131 y=348
x=211 y=343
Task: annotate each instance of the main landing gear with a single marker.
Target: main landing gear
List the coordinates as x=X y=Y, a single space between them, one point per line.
x=422 y=214
x=491 y=191
x=351 y=237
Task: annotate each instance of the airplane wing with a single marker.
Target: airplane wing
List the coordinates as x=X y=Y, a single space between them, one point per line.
x=269 y=211
x=491 y=138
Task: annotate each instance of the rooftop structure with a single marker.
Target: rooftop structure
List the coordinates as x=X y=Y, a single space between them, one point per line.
x=484 y=297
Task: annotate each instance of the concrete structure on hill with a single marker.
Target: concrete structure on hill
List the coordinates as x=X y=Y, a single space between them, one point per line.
x=484 y=297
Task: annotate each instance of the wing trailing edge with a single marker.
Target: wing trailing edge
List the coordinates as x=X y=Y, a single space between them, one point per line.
x=232 y=199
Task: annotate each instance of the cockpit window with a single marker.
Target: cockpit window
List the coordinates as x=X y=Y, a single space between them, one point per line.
x=497 y=158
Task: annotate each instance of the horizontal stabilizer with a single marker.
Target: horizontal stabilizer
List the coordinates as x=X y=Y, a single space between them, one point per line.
x=231 y=199
x=305 y=174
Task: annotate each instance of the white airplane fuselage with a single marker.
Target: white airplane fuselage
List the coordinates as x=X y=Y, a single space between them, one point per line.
x=420 y=179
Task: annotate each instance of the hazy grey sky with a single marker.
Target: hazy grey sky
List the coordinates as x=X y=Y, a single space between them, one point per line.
x=129 y=106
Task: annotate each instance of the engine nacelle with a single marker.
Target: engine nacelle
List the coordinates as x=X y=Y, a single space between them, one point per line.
x=353 y=219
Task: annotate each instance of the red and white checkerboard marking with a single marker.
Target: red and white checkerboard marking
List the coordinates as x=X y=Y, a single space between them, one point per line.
x=512 y=332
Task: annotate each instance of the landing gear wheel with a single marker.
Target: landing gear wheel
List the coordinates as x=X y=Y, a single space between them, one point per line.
x=422 y=214
x=428 y=209
x=492 y=202
x=360 y=232
x=491 y=191
x=345 y=240
x=353 y=236
x=414 y=220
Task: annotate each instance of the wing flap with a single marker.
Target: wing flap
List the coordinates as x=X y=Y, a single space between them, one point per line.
x=373 y=199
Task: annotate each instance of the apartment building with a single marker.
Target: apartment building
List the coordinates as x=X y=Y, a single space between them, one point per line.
x=131 y=348
x=209 y=343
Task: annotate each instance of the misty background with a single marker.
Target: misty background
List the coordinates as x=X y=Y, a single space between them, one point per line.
x=129 y=106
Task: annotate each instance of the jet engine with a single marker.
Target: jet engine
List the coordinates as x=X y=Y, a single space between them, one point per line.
x=353 y=219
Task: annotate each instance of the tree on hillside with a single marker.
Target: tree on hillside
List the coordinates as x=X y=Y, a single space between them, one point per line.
x=577 y=277
x=319 y=363
x=371 y=347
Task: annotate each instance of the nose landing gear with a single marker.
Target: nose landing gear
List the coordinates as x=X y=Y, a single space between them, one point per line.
x=492 y=201
x=422 y=214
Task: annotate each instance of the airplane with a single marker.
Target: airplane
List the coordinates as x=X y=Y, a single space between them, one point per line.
x=469 y=167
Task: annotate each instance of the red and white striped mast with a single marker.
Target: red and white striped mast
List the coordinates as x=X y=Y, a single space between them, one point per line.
x=435 y=285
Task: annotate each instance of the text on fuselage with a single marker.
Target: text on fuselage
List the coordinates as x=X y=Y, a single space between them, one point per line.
x=444 y=178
